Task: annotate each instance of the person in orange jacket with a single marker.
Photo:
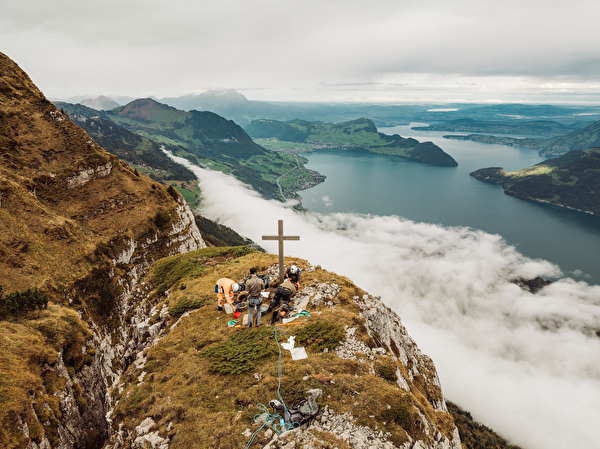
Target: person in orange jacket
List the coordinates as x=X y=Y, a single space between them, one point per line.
x=225 y=289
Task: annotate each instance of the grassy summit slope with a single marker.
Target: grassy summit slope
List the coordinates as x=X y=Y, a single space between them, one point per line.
x=358 y=134
x=204 y=381
x=74 y=220
x=572 y=180
x=61 y=194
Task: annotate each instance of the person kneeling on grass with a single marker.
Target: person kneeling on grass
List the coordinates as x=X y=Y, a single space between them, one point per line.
x=254 y=285
x=283 y=294
x=294 y=274
x=225 y=289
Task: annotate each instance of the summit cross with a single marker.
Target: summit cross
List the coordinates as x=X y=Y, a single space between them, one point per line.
x=280 y=237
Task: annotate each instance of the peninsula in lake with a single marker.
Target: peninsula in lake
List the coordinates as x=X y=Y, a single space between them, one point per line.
x=571 y=180
x=360 y=134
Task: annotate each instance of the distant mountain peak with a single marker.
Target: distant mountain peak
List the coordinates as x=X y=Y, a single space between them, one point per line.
x=102 y=103
x=223 y=93
x=222 y=97
x=141 y=108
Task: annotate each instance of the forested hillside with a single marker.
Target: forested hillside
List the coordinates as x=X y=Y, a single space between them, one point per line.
x=358 y=134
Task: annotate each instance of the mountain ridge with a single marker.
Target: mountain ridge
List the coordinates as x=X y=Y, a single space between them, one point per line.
x=79 y=225
x=102 y=103
x=209 y=140
x=140 y=152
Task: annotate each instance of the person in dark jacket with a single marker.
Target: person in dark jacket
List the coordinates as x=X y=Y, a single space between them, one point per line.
x=283 y=294
x=254 y=286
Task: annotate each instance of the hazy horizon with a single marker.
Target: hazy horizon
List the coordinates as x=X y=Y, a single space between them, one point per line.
x=407 y=102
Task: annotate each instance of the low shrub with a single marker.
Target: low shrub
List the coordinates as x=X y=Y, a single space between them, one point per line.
x=386 y=371
x=400 y=411
x=17 y=304
x=319 y=335
x=170 y=270
x=245 y=350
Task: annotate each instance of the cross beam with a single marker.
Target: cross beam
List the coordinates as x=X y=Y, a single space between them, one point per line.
x=280 y=237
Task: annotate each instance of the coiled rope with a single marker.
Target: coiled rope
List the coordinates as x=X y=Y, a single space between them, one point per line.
x=273 y=420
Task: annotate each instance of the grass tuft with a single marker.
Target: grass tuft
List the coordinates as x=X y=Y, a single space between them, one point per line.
x=386 y=371
x=186 y=303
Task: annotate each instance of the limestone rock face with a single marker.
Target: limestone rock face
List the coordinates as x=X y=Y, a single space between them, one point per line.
x=80 y=225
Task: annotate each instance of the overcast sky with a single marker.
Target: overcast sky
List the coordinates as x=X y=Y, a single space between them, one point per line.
x=330 y=50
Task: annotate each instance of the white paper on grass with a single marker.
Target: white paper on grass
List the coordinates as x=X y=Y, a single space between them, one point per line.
x=299 y=353
x=290 y=343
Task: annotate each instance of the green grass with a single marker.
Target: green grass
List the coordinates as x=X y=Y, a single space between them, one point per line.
x=189 y=196
x=319 y=336
x=535 y=170
x=169 y=271
x=185 y=304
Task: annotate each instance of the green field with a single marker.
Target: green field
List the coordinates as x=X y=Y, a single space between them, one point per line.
x=189 y=197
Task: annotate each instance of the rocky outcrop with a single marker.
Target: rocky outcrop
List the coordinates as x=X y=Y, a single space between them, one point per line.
x=85 y=175
x=390 y=345
x=343 y=427
x=118 y=346
x=85 y=402
x=82 y=226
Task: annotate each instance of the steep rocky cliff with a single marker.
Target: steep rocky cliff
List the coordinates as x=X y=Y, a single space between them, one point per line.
x=131 y=352
x=81 y=226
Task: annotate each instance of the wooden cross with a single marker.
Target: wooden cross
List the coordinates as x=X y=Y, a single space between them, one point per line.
x=281 y=238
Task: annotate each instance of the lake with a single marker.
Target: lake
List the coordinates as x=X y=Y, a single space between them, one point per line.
x=525 y=365
x=382 y=185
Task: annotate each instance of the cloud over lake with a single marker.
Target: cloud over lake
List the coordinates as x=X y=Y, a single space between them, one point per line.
x=526 y=365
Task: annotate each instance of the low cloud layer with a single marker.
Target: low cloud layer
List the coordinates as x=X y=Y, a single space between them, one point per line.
x=525 y=365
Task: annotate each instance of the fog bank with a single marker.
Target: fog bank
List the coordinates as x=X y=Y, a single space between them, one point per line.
x=525 y=365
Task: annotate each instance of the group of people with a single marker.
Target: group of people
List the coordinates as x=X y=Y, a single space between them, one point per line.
x=226 y=289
